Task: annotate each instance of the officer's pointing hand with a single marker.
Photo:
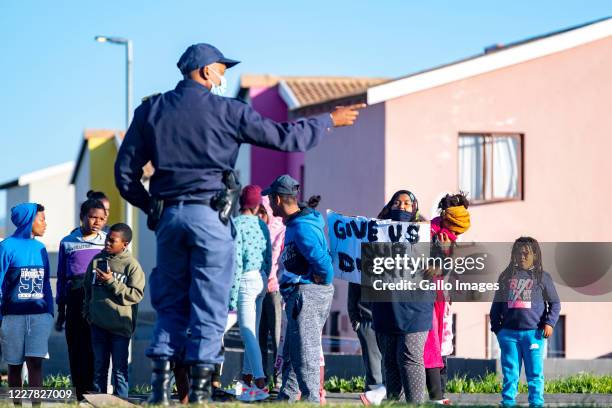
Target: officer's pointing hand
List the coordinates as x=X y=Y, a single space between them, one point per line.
x=346 y=115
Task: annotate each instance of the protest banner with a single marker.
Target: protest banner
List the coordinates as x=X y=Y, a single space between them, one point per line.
x=347 y=233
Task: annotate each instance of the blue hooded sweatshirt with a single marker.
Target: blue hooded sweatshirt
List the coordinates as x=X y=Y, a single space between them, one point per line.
x=24 y=268
x=306 y=252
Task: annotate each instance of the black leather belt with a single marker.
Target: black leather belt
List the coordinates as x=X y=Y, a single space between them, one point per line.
x=172 y=203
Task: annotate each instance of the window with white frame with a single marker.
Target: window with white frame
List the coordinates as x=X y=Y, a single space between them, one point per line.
x=491 y=166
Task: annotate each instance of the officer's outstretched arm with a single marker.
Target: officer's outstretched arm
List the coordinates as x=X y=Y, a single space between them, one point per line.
x=132 y=156
x=297 y=136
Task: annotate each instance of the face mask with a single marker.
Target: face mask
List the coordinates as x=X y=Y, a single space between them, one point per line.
x=400 y=215
x=220 y=89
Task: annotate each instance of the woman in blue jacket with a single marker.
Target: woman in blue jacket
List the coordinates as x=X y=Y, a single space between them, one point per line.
x=401 y=327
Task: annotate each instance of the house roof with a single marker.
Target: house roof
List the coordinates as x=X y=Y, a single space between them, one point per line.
x=41 y=174
x=118 y=135
x=493 y=58
x=102 y=133
x=301 y=91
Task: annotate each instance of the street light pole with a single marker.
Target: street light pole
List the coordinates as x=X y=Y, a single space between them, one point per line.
x=129 y=210
x=128 y=74
x=128 y=97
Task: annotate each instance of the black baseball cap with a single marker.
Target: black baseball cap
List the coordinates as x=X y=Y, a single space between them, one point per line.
x=284 y=185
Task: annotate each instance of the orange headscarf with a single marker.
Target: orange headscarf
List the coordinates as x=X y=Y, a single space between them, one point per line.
x=456 y=219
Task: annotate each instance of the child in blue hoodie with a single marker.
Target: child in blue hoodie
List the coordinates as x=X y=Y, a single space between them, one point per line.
x=523 y=314
x=27 y=300
x=306 y=287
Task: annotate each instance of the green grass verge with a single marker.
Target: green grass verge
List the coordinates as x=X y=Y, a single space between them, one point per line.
x=491 y=384
x=583 y=383
x=576 y=384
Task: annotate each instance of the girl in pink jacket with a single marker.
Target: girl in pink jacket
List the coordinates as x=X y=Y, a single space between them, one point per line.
x=454 y=220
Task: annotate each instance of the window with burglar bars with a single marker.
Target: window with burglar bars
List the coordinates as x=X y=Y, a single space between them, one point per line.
x=491 y=166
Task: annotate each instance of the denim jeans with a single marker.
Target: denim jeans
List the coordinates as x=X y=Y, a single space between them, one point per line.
x=250 y=298
x=518 y=346
x=107 y=345
x=270 y=324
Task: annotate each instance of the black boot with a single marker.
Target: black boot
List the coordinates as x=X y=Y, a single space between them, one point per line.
x=160 y=383
x=200 y=375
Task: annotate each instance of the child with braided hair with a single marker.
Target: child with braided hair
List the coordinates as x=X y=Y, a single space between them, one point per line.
x=523 y=315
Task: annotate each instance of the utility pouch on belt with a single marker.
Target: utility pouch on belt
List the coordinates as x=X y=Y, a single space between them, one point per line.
x=225 y=201
x=155 y=212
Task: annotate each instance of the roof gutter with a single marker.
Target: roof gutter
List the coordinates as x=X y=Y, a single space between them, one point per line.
x=490 y=62
x=288 y=96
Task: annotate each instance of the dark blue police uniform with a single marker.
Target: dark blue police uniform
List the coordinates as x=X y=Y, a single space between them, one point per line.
x=191 y=137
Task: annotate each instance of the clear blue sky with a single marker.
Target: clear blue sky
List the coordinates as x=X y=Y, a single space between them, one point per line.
x=56 y=80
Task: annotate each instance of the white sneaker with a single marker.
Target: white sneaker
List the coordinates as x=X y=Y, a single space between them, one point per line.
x=375 y=396
x=253 y=394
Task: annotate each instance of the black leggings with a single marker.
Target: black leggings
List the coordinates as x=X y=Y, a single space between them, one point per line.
x=78 y=339
x=444 y=374
x=434 y=383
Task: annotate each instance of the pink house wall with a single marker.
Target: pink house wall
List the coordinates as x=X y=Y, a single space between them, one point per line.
x=562 y=105
x=268 y=164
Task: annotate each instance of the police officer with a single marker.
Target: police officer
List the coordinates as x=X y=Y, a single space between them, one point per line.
x=191 y=135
